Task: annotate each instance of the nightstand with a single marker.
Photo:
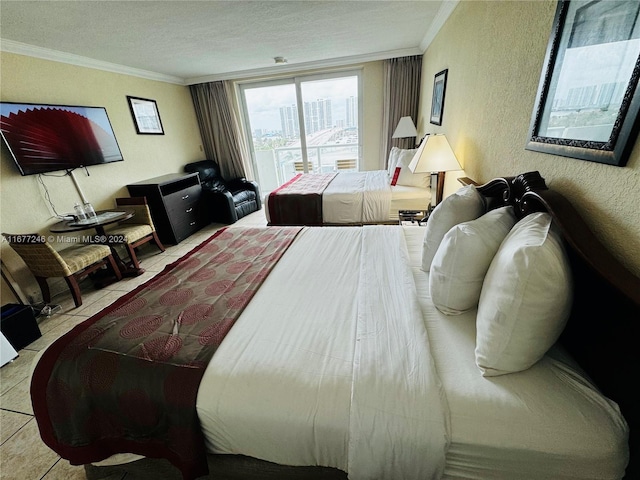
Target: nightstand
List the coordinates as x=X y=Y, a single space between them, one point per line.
x=412 y=217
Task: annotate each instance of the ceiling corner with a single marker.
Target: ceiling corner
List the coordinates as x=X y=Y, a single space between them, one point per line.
x=446 y=8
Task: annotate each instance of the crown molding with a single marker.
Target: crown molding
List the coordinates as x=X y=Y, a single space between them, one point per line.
x=446 y=9
x=297 y=67
x=19 y=48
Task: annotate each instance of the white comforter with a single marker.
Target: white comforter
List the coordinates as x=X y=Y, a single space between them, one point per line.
x=357 y=197
x=334 y=372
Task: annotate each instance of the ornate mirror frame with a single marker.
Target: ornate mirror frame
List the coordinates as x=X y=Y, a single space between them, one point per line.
x=573 y=35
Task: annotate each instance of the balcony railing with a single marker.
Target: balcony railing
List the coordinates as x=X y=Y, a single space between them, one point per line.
x=279 y=165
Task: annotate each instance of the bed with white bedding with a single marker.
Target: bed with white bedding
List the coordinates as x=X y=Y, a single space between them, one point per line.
x=379 y=383
x=348 y=198
x=351 y=198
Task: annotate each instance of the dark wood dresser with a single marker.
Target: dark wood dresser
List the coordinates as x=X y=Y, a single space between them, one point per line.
x=174 y=203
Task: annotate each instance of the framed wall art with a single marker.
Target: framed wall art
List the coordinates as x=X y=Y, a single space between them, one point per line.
x=145 y=116
x=588 y=100
x=437 y=100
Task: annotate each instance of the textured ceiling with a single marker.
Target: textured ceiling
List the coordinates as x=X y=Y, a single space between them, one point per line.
x=194 y=39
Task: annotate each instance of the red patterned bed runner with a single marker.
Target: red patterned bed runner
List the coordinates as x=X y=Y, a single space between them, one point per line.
x=126 y=380
x=299 y=201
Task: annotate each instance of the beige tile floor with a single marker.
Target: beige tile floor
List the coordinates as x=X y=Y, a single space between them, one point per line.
x=23 y=455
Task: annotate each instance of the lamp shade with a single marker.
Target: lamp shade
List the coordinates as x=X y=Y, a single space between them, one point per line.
x=434 y=155
x=405 y=128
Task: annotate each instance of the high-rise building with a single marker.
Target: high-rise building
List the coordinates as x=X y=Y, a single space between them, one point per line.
x=352 y=112
x=289 y=121
x=317 y=116
x=325 y=119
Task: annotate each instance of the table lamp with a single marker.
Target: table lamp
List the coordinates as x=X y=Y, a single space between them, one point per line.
x=435 y=156
x=405 y=129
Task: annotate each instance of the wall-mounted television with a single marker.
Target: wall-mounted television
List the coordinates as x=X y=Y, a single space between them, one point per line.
x=45 y=138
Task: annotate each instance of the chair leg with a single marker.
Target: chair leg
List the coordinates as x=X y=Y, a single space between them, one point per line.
x=75 y=289
x=157 y=242
x=44 y=288
x=114 y=267
x=132 y=255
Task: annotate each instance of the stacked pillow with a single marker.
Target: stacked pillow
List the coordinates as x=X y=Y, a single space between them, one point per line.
x=398 y=169
x=526 y=298
x=517 y=274
x=463 y=258
x=464 y=205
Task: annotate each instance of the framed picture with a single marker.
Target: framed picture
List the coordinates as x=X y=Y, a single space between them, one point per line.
x=588 y=101
x=146 y=117
x=437 y=101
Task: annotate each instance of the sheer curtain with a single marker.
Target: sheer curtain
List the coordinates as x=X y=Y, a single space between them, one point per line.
x=401 y=99
x=219 y=128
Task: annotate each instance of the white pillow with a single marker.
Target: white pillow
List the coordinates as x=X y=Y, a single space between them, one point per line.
x=463 y=258
x=407 y=177
x=464 y=205
x=526 y=298
x=393 y=160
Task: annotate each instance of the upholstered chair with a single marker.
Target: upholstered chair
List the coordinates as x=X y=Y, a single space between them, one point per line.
x=136 y=230
x=73 y=263
x=225 y=201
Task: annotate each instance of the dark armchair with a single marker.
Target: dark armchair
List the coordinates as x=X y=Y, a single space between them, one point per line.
x=225 y=201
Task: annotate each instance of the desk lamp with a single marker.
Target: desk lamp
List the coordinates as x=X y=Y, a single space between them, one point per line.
x=435 y=156
x=405 y=129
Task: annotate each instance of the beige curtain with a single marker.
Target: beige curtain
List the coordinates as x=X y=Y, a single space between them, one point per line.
x=221 y=137
x=401 y=98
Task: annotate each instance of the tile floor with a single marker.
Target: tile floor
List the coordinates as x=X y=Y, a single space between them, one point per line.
x=23 y=456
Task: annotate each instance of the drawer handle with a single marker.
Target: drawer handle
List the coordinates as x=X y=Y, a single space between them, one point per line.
x=192 y=224
x=185 y=197
x=189 y=211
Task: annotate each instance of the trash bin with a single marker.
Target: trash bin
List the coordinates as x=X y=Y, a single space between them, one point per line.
x=18 y=324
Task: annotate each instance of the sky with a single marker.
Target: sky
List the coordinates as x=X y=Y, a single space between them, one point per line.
x=264 y=103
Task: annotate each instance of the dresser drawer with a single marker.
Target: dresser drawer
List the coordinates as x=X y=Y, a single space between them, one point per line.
x=183 y=200
x=186 y=224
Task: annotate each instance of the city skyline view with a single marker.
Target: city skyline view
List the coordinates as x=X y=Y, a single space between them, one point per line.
x=329 y=114
x=264 y=103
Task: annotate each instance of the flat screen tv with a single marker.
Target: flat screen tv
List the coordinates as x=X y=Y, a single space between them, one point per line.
x=46 y=138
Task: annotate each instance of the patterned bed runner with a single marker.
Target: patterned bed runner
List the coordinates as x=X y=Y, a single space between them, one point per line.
x=299 y=201
x=126 y=380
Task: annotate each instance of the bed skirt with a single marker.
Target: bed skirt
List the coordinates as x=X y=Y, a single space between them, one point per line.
x=221 y=467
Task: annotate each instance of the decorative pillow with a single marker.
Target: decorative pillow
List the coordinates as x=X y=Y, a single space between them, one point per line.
x=463 y=258
x=464 y=205
x=396 y=174
x=407 y=177
x=526 y=298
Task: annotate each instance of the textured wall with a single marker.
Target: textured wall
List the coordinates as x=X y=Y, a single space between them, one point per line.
x=494 y=51
x=23 y=206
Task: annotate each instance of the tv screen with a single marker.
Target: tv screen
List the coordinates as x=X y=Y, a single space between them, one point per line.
x=46 y=138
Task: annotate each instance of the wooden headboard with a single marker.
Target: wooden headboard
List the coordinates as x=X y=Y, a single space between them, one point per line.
x=603 y=331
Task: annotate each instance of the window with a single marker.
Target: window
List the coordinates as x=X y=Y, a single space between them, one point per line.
x=303 y=124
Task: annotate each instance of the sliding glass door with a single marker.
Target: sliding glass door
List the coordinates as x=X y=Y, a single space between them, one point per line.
x=302 y=124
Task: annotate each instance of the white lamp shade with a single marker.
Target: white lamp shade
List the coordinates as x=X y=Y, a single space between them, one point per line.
x=434 y=155
x=405 y=128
